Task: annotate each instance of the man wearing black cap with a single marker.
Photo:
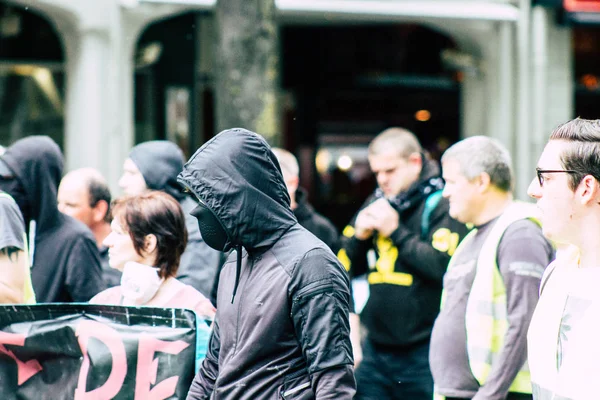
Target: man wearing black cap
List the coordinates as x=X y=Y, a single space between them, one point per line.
x=154 y=165
x=63 y=253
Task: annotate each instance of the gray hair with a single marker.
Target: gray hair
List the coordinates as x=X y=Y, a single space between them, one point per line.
x=479 y=154
x=287 y=161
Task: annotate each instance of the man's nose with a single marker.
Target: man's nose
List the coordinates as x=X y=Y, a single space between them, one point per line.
x=534 y=190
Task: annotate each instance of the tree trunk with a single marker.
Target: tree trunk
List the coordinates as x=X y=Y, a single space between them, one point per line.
x=247 y=67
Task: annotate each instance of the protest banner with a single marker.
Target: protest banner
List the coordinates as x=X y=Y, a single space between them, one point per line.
x=83 y=351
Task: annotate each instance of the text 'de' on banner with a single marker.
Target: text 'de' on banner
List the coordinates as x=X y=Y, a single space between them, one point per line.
x=84 y=352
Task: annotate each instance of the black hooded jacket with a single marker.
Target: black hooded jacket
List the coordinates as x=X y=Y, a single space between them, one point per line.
x=66 y=263
x=159 y=162
x=285 y=334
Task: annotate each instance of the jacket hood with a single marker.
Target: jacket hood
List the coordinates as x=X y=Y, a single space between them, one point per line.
x=237 y=176
x=38 y=164
x=431 y=169
x=159 y=161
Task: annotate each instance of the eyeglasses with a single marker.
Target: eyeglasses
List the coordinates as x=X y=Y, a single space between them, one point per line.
x=540 y=173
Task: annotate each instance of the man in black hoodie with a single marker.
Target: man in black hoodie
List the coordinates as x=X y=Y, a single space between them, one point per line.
x=65 y=260
x=154 y=165
x=281 y=329
x=402 y=238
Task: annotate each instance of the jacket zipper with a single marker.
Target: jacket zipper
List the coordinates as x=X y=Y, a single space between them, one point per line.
x=322 y=288
x=239 y=304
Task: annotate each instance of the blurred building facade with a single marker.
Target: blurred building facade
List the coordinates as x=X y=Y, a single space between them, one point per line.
x=117 y=72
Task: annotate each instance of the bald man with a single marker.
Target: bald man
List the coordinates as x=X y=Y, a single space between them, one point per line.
x=316 y=223
x=84 y=195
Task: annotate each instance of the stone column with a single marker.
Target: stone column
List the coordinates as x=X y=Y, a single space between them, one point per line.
x=247 y=61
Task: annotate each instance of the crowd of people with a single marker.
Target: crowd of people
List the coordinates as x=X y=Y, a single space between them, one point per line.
x=472 y=293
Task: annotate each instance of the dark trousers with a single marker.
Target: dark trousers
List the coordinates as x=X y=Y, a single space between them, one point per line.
x=394 y=375
x=511 y=396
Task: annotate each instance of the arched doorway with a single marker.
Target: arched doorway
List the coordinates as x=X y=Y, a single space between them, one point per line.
x=345 y=84
x=166 y=83
x=32 y=78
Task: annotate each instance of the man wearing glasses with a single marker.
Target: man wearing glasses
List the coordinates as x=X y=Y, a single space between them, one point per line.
x=478 y=345
x=564 y=350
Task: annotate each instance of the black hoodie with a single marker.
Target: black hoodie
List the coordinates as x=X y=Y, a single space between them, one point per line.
x=405 y=285
x=286 y=332
x=66 y=263
x=159 y=162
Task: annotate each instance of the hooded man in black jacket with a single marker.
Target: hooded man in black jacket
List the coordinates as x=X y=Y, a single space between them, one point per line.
x=402 y=238
x=281 y=329
x=154 y=165
x=66 y=264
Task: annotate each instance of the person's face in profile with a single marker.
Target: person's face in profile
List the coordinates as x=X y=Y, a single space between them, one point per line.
x=132 y=181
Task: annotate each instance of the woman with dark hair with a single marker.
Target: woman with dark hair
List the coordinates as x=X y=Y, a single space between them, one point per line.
x=147 y=239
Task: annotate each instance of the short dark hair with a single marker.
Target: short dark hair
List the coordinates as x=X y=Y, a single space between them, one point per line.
x=159 y=214
x=583 y=156
x=98 y=190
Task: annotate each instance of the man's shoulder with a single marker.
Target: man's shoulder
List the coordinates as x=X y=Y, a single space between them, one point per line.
x=73 y=229
x=9 y=208
x=522 y=228
x=299 y=243
x=7 y=203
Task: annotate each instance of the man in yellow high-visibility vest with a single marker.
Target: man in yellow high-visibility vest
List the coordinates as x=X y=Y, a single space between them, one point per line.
x=402 y=239
x=478 y=344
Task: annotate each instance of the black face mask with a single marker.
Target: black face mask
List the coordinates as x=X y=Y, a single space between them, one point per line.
x=210 y=227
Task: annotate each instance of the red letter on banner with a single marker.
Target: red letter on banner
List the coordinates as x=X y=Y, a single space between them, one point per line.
x=147 y=368
x=25 y=370
x=112 y=340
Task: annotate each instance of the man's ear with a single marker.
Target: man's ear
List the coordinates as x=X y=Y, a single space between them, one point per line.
x=484 y=181
x=99 y=210
x=150 y=243
x=588 y=190
x=416 y=159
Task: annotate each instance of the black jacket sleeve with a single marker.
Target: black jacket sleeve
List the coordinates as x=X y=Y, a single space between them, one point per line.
x=204 y=382
x=319 y=294
x=429 y=258
x=84 y=272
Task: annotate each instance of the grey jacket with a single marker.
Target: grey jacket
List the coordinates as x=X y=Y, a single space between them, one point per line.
x=285 y=332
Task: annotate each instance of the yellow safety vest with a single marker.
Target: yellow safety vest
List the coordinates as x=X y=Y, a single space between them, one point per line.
x=486 y=316
x=28 y=293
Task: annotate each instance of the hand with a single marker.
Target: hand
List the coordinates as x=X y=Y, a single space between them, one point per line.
x=386 y=219
x=355 y=339
x=364 y=225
